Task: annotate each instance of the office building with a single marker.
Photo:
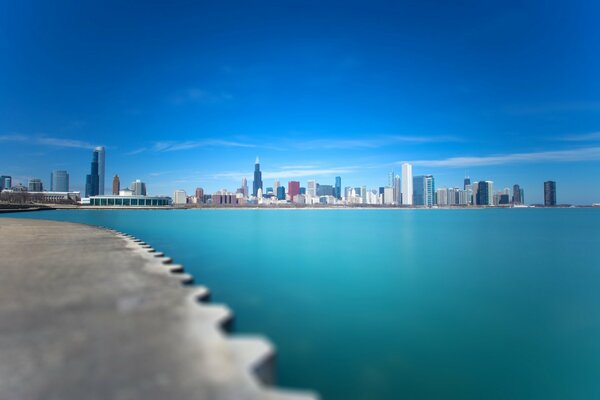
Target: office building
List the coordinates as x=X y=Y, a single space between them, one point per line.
x=257 y=183
x=396 y=184
x=549 y=193
x=441 y=197
x=485 y=193
x=407 y=184
x=138 y=188
x=116 y=186
x=338 y=187
x=311 y=188
x=5 y=182
x=388 y=196
x=180 y=197
x=466 y=182
x=419 y=190
x=59 y=181
x=280 y=193
x=429 y=184
x=35 y=185
x=517 y=197
x=92 y=180
x=245 y=187
x=325 y=190
x=293 y=189
x=101 y=167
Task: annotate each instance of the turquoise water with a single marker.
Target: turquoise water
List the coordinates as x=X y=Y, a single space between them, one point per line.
x=400 y=304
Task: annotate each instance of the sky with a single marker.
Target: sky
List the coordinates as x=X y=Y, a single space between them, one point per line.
x=187 y=94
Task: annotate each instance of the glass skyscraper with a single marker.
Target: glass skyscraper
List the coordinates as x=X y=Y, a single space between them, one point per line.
x=549 y=193
x=92 y=180
x=338 y=187
x=257 y=183
x=419 y=190
x=59 y=181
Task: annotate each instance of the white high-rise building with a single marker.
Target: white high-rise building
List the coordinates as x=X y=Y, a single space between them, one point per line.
x=179 y=197
x=101 y=168
x=407 y=185
x=311 y=188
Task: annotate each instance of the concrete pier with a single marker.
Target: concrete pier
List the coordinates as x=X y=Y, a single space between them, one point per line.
x=89 y=313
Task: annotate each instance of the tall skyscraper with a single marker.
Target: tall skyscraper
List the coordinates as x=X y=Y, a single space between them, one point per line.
x=397 y=189
x=59 y=181
x=101 y=168
x=280 y=193
x=407 y=184
x=257 y=183
x=466 y=182
x=92 y=180
x=549 y=193
x=116 y=185
x=5 y=182
x=245 y=187
x=419 y=190
x=200 y=195
x=35 y=185
x=293 y=189
x=311 y=188
x=485 y=193
x=338 y=187
x=429 y=190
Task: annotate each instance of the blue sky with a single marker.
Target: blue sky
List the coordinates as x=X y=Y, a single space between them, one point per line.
x=187 y=94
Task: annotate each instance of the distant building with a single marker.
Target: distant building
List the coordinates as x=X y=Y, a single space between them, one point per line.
x=311 y=188
x=5 y=182
x=419 y=190
x=407 y=184
x=549 y=193
x=92 y=180
x=138 y=188
x=35 y=185
x=59 y=181
x=129 y=201
x=388 y=195
x=466 y=182
x=517 y=195
x=485 y=193
x=179 y=197
x=325 y=190
x=441 y=197
x=293 y=189
x=200 y=195
x=280 y=193
x=257 y=184
x=116 y=187
x=338 y=187
x=429 y=190
x=397 y=185
x=101 y=167
x=244 y=187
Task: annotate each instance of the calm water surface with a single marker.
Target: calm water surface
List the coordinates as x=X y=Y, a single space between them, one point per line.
x=394 y=304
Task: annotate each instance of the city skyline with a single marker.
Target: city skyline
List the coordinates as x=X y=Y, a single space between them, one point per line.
x=482 y=92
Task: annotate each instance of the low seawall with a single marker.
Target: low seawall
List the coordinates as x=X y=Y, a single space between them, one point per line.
x=87 y=312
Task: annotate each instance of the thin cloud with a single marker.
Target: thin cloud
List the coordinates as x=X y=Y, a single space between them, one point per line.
x=584 y=137
x=573 y=155
x=43 y=140
x=372 y=142
x=286 y=173
x=192 y=144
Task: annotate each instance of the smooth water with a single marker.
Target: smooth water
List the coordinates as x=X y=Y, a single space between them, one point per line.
x=391 y=304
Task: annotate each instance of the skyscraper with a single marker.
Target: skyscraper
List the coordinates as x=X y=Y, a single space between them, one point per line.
x=397 y=190
x=407 y=184
x=466 y=182
x=549 y=193
x=35 y=185
x=293 y=189
x=5 y=182
x=101 y=168
x=485 y=193
x=116 y=185
x=92 y=180
x=280 y=193
x=59 y=181
x=257 y=183
x=338 y=187
x=200 y=195
x=138 y=188
x=419 y=190
x=245 y=187
x=429 y=190
x=517 y=198
x=311 y=188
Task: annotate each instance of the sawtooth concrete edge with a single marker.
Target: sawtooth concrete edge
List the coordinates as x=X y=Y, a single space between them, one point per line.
x=229 y=366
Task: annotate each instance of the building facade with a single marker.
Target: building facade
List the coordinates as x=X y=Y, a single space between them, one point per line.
x=407 y=184
x=35 y=185
x=549 y=193
x=257 y=184
x=116 y=186
x=59 y=181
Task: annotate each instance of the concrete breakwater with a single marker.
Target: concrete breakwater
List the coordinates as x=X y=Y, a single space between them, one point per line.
x=87 y=312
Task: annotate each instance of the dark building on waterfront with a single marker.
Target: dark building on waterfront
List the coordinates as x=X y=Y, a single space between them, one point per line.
x=466 y=182
x=35 y=185
x=5 y=182
x=257 y=184
x=293 y=189
x=325 y=190
x=338 y=187
x=419 y=190
x=280 y=193
x=116 y=185
x=92 y=180
x=483 y=193
x=549 y=193
x=518 y=195
x=59 y=181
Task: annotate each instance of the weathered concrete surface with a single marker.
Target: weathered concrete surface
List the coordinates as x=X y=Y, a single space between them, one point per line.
x=87 y=313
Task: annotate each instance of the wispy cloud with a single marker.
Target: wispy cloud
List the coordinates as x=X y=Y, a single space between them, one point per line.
x=195 y=95
x=43 y=140
x=583 y=137
x=371 y=142
x=192 y=144
x=572 y=155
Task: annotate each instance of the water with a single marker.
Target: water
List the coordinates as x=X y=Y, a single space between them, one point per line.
x=391 y=304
